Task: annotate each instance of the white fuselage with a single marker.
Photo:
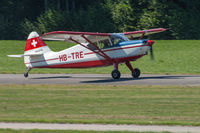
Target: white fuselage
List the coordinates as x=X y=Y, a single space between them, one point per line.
x=81 y=57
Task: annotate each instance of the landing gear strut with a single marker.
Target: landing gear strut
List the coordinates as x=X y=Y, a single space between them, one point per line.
x=26 y=74
x=116 y=73
x=135 y=72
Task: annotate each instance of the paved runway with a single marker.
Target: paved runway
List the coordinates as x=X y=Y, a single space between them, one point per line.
x=101 y=79
x=100 y=127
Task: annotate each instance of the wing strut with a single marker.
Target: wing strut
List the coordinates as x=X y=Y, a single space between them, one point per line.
x=84 y=46
x=91 y=49
x=104 y=55
x=142 y=36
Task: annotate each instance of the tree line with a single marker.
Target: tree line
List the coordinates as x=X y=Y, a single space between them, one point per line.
x=19 y=17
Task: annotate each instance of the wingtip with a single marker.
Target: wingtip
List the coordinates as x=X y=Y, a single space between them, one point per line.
x=165 y=29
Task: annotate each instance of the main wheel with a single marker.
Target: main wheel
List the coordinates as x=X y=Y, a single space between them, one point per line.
x=115 y=74
x=25 y=75
x=136 y=73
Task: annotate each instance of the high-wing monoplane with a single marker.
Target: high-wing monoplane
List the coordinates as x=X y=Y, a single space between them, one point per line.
x=91 y=50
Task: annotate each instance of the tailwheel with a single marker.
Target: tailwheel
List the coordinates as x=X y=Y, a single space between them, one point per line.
x=115 y=74
x=26 y=75
x=136 y=73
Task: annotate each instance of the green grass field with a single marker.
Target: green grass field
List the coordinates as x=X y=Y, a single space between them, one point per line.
x=172 y=57
x=169 y=105
x=156 y=105
x=63 y=131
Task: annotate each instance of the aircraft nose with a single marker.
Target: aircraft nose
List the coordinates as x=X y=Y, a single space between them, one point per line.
x=150 y=42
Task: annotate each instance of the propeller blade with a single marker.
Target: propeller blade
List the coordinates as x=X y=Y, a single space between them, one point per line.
x=151 y=51
x=150 y=43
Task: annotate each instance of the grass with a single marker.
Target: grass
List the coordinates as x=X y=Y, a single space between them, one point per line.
x=64 y=131
x=151 y=105
x=172 y=57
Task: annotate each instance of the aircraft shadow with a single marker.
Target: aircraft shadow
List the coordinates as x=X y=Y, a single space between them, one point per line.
x=56 y=77
x=109 y=80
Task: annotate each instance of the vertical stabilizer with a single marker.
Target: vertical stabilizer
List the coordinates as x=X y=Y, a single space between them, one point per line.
x=34 y=50
x=35 y=45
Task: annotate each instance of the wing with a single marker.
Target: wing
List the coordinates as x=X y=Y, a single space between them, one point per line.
x=90 y=37
x=134 y=34
x=67 y=36
x=78 y=36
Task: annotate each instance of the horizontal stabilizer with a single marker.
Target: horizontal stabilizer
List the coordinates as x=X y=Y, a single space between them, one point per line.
x=33 y=54
x=16 y=56
x=22 y=55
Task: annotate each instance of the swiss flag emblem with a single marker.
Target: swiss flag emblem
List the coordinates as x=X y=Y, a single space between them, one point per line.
x=34 y=43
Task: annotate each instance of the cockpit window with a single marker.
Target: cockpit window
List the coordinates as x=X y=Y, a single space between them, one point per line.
x=101 y=44
x=116 y=41
x=91 y=47
x=113 y=41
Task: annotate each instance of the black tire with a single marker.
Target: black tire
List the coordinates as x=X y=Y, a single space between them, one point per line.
x=136 y=73
x=25 y=75
x=115 y=74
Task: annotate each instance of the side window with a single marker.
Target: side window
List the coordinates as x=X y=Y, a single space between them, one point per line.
x=91 y=47
x=101 y=44
x=105 y=43
x=116 y=41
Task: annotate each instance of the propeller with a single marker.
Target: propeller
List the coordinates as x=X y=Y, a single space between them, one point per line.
x=151 y=51
x=150 y=43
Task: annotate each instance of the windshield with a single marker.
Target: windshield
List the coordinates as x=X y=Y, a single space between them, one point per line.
x=117 y=38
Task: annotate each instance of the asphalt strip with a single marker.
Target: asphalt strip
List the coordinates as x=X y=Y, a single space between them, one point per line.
x=100 y=127
x=101 y=79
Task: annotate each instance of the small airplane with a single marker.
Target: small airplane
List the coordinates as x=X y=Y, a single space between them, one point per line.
x=91 y=50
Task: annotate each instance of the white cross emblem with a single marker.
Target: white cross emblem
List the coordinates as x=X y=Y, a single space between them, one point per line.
x=34 y=43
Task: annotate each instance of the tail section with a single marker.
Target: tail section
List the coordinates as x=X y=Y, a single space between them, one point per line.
x=35 y=45
x=35 y=50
